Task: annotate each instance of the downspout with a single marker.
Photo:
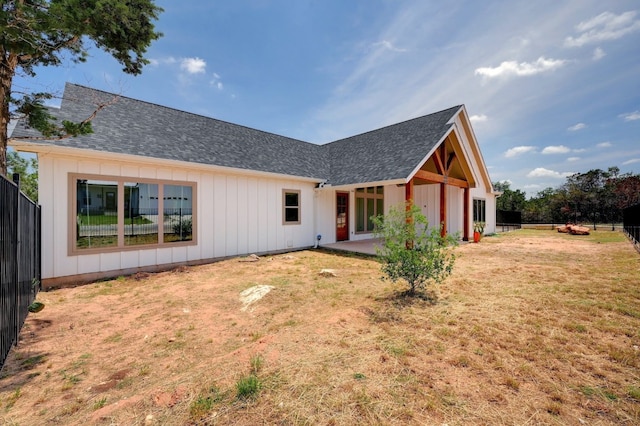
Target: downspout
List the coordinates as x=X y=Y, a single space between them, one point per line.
x=316 y=192
x=315 y=213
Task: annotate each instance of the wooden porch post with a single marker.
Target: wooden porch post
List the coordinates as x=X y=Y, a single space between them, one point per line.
x=408 y=198
x=465 y=221
x=408 y=194
x=443 y=208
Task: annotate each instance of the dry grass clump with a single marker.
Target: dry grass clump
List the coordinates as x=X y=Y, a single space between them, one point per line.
x=533 y=327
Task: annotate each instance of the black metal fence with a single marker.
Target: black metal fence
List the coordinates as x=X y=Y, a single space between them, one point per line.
x=508 y=220
x=631 y=224
x=19 y=261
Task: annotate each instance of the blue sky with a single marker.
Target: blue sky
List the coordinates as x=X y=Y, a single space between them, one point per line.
x=553 y=88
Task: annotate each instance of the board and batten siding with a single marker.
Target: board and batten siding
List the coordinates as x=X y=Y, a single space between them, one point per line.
x=236 y=214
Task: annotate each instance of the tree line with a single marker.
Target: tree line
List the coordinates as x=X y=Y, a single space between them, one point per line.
x=596 y=196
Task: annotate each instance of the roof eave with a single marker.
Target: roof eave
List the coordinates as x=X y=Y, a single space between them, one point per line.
x=48 y=149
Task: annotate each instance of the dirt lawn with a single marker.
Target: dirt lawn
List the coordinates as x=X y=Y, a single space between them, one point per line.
x=534 y=327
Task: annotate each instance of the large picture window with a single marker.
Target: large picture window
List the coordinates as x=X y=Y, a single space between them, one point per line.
x=290 y=207
x=369 y=203
x=113 y=213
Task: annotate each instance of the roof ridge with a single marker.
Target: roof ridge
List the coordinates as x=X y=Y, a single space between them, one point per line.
x=457 y=107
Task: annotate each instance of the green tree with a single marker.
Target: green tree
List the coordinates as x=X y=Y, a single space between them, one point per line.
x=37 y=33
x=596 y=196
x=627 y=190
x=27 y=168
x=590 y=193
x=411 y=251
x=539 y=208
x=510 y=200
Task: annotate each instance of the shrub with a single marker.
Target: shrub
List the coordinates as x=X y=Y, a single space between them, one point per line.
x=183 y=228
x=411 y=251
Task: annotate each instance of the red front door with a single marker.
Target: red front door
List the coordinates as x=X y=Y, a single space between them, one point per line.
x=342 y=216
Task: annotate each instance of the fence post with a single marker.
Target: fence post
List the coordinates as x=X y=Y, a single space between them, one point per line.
x=16 y=180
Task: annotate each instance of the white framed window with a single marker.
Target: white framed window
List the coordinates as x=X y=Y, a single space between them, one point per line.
x=369 y=203
x=291 y=212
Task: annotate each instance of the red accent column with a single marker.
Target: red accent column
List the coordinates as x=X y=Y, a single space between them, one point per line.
x=408 y=193
x=408 y=198
x=466 y=216
x=443 y=209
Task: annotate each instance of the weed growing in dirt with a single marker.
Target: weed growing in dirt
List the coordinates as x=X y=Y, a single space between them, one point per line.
x=32 y=361
x=11 y=400
x=204 y=403
x=247 y=387
x=144 y=370
x=100 y=403
x=70 y=381
x=114 y=338
x=200 y=406
x=256 y=363
x=634 y=392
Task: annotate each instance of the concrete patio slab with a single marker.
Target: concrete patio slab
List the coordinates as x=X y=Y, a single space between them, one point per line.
x=362 y=246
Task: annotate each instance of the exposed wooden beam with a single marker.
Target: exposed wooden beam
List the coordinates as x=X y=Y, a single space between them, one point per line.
x=438 y=161
x=436 y=178
x=450 y=160
x=443 y=154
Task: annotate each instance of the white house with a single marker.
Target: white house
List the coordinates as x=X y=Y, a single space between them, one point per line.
x=154 y=187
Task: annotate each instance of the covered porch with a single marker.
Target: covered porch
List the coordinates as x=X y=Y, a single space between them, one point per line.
x=446 y=166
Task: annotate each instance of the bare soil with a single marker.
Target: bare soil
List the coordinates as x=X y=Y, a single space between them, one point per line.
x=534 y=327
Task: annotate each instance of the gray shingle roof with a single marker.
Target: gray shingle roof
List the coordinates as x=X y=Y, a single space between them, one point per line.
x=389 y=153
x=135 y=127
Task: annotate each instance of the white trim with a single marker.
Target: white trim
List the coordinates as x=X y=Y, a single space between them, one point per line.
x=42 y=149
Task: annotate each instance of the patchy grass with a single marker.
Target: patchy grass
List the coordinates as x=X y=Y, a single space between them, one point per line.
x=534 y=327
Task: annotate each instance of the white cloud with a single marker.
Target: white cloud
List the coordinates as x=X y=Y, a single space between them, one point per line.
x=598 y=54
x=478 y=118
x=604 y=27
x=632 y=161
x=521 y=69
x=576 y=127
x=542 y=172
x=531 y=186
x=215 y=81
x=604 y=145
x=193 y=65
x=631 y=116
x=573 y=159
x=518 y=150
x=389 y=46
x=557 y=149
x=161 y=61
